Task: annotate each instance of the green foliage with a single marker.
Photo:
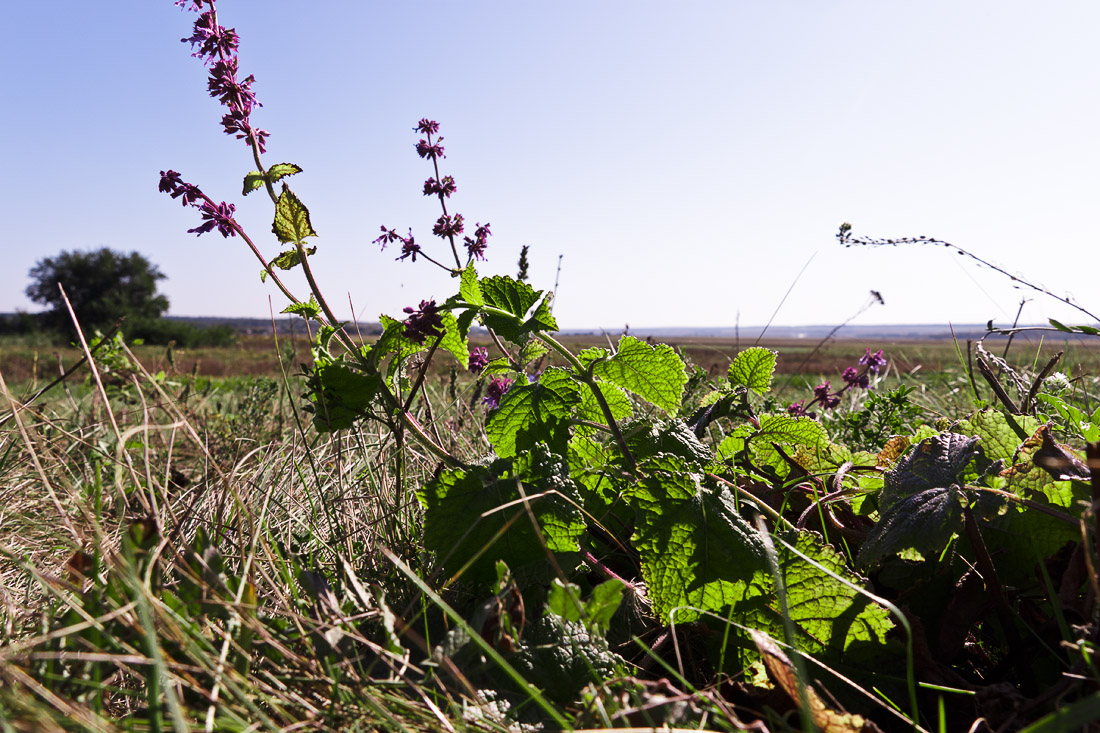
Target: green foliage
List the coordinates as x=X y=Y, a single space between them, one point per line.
x=653 y=372
x=520 y=509
x=881 y=417
x=753 y=368
x=533 y=413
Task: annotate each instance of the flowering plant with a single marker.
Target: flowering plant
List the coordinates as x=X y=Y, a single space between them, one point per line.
x=600 y=482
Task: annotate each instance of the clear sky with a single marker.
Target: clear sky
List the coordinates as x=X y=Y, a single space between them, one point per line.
x=686 y=159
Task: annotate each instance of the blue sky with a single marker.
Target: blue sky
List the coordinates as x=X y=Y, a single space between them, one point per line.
x=685 y=160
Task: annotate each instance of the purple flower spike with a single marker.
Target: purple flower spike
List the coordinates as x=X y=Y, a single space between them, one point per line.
x=427 y=149
x=873 y=361
x=496 y=390
x=796 y=409
x=444 y=187
x=426 y=126
x=476 y=247
x=220 y=216
x=389 y=236
x=850 y=376
x=821 y=391
x=171 y=183
x=409 y=248
x=424 y=322
x=212 y=39
x=448 y=226
x=479 y=357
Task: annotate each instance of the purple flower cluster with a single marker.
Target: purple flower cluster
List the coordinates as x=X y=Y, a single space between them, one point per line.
x=409 y=247
x=824 y=394
x=476 y=247
x=213 y=215
x=498 y=386
x=217 y=47
x=479 y=358
x=448 y=226
x=423 y=322
x=443 y=188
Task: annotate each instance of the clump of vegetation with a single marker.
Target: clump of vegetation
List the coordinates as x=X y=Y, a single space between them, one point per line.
x=546 y=537
x=101 y=290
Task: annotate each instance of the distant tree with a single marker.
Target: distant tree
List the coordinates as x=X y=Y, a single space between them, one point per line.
x=103 y=286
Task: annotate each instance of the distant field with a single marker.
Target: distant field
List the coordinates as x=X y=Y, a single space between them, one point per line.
x=256 y=355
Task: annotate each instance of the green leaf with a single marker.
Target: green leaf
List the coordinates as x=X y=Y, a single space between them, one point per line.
x=530 y=413
x=516 y=298
x=305 y=310
x=252 y=181
x=591 y=354
x=499 y=365
x=280 y=171
x=393 y=340
x=561 y=657
x=790 y=430
x=472 y=516
x=1001 y=433
x=1060 y=326
x=833 y=618
x=454 y=340
x=341 y=395
x=291 y=218
x=753 y=368
x=507 y=294
x=934 y=463
x=275 y=173
x=925 y=521
x=532 y=350
x=616 y=399
x=673 y=437
x=470 y=290
x=791 y=433
x=542 y=319
x=291 y=258
x=599 y=482
x=654 y=373
x=564 y=599
x=696 y=550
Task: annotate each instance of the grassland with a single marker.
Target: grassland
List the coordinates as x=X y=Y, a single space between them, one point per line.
x=180 y=550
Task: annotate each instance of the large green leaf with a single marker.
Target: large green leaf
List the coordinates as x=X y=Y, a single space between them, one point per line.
x=696 y=550
x=924 y=521
x=1001 y=434
x=673 y=437
x=530 y=413
x=834 y=619
x=340 y=394
x=653 y=372
x=291 y=218
x=753 y=368
x=933 y=463
x=507 y=294
x=590 y=410
x=464 y=521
